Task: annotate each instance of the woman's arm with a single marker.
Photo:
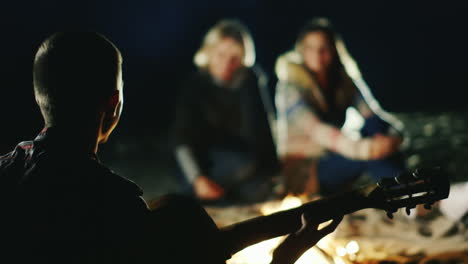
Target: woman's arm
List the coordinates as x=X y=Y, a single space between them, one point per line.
x=204 y=187
x=368 y=107
x=190 y=133
x=388 y=132
x=293 y=111
x=186 y=129
x=187 y=162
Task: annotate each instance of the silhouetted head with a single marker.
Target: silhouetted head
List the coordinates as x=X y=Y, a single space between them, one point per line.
x=227 y=46
x=78 y=81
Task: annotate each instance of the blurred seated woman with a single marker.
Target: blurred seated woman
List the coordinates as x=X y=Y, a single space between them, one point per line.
x=317 y=82
x=224 y=145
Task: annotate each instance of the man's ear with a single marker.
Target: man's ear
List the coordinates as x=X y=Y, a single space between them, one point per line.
x=39 y=98
x=110 y=116
x=114 y=104
x=40 y=104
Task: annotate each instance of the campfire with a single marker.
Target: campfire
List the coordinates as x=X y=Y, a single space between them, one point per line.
x=327 y=250
x=365 y=236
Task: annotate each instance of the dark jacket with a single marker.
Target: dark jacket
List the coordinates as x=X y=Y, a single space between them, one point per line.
x=209 y=116
x=66 y=207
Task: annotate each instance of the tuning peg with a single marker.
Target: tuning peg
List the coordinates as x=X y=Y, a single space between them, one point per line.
x=408 y=210
x=428 y=206
x=390 y=215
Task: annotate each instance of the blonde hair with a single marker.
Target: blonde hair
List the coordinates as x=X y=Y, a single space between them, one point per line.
x=230 y=28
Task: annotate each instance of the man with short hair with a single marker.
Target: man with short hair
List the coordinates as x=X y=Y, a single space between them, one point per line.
x=54 y=187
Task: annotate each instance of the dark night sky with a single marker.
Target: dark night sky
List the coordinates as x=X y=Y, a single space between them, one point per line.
x=412 y=55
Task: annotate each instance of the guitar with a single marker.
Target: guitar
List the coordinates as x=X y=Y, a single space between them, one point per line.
x=411 y=188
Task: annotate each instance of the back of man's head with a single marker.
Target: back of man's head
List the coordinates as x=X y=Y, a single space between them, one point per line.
x=74 y=74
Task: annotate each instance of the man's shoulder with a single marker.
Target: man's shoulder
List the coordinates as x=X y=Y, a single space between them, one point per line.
x=119 y=192
x=23 y=146
x=17 y=155
x=117 y=183
x=35 y=165
x=6 y=158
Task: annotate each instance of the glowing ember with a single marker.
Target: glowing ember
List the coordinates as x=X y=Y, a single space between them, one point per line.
x=341 y=251
x=352 y=247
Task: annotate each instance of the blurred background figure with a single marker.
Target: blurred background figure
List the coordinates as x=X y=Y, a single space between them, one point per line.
x=224 y=145
x=317 y=82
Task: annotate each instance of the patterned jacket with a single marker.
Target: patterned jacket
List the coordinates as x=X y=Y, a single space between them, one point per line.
x=309 y=122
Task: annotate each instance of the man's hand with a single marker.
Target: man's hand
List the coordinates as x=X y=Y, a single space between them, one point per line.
x=383 y=146
x=311 y=232
x=297 y=243
x=206 y=189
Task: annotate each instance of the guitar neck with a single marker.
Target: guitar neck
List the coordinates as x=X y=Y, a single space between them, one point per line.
x=255 y=230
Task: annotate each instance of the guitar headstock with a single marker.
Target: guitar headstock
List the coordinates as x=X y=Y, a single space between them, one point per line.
x=421 y=186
